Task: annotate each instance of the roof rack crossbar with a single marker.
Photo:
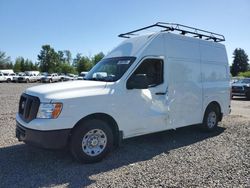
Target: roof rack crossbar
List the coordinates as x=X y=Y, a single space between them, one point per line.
x=182 y=29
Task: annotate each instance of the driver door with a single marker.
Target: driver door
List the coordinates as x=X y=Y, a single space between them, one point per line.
x=146 y=108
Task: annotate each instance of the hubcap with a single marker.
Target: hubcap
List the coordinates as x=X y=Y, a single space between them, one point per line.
x=94 y=142
x=211 y=120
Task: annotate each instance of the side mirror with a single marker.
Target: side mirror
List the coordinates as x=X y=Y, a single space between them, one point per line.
x=138 y=81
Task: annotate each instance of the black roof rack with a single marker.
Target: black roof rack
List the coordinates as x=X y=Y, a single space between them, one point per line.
x=195 y=32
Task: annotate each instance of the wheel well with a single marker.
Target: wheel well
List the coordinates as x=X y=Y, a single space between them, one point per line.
x=217 y=105
x=106 y=118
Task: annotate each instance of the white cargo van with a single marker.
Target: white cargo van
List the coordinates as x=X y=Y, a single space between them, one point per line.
x=9 y=71
x=149 y=83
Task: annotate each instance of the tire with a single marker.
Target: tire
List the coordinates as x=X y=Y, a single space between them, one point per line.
x=50 y=81
x=85 y=142
x=8 y=80
x=27 y=80
x=211 y=118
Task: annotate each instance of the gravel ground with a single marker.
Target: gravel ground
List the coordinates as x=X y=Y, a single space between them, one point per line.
x=186 y=157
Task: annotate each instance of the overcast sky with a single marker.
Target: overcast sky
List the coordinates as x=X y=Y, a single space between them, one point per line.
x=91 y=26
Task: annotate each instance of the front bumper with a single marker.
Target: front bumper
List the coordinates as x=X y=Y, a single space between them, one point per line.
x=238 y=94
x=54 y=139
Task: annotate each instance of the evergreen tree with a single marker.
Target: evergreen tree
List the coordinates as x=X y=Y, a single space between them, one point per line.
x=240 y=62
x=68 y=56
x=48 y=59
x=5 y=62
x=97 y=58
x=82 y=63
x=17 y=65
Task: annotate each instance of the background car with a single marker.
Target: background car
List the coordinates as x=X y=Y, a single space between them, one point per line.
x=40 y=76
x=9 y=76
x=82 y=75
x=70 y=77
x=27 y=77
x=241 y=88
x=51 y=78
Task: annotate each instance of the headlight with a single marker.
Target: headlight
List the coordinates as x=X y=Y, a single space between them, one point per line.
x=49 y=110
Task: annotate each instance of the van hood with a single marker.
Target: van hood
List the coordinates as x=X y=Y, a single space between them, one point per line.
x=66 y=90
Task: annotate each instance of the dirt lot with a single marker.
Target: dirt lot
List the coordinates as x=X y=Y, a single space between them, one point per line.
x=186 y=157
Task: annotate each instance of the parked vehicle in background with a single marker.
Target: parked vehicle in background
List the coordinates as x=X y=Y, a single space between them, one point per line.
x=235 y=79
x=147 y=84
x=27 y=77
x=9 y=76
x=241 y=88
x=6 y=77
x=2 y=77
x=62 y=77
x=82 y=75
x=70 y=77
x=15 y=78
x=34 y=73
x=51 y=78
x=41 y=75
x=9 y=71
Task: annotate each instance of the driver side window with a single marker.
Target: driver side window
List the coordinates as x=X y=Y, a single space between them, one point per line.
x=153 y=69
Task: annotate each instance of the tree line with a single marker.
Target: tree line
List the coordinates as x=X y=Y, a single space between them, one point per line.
x=240 y=66
x=50 y=61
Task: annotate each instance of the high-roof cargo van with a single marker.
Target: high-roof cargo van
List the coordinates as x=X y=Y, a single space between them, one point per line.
x=173 y=78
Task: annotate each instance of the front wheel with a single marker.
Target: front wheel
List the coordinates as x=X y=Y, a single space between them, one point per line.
x=211 y=118
x=91 y=141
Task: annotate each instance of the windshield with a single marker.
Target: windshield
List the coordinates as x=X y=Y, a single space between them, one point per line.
x=245 y=81
x=110 y=69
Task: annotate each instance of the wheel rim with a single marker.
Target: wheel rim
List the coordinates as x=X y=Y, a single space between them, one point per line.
x=94 y=142
x=211 y=120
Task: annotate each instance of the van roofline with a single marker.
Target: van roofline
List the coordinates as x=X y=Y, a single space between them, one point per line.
x=181 y=29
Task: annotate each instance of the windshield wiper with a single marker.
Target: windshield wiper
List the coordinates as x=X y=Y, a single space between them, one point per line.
x=100 y=79
x=95 y=79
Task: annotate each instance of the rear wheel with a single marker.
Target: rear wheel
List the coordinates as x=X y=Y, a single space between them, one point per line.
x=8 y=80
x=91 y=141
x=27 y=80
x=211 y=118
